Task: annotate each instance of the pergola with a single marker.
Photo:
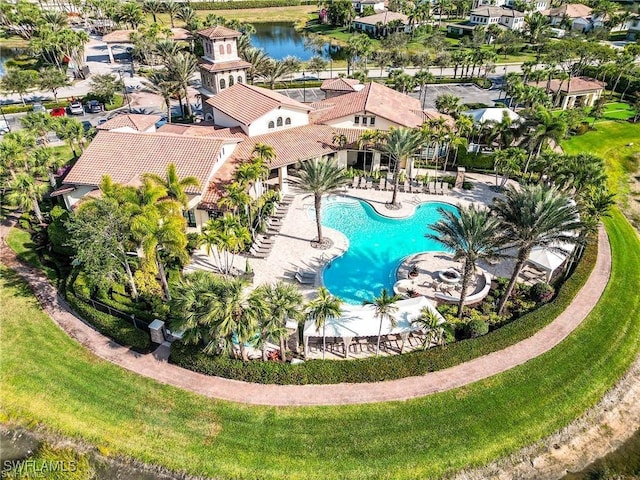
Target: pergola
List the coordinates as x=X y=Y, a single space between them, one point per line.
x=361 y=321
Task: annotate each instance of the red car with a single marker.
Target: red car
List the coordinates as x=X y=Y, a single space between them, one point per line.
x=58 y=112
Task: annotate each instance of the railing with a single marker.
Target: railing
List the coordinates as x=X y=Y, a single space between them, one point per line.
x=103 y=307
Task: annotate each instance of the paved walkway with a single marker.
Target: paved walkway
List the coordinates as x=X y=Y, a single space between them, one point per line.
x=154 y=365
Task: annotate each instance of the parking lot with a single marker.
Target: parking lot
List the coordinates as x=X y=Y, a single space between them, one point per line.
x=468 y=93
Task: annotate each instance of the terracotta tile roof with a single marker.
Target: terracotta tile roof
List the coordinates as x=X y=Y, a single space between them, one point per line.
x=219 y=32
x=246 y=103
x=203 y=131
x=339 y=84
x=571 y=10
x=216 y=187
x=383 y=17
x=374 y=99
x=575 y=85
x=126 y=156
x=132 y=120
x=223 y=66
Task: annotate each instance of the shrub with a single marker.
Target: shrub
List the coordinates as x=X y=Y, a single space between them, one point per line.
x=247 y=4
x=541 y=292
x=476 y=328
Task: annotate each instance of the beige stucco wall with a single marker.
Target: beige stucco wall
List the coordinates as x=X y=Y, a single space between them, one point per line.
x=261 y=125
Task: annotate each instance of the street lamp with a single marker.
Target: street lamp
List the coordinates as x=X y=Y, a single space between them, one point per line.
x=304 y=87
x=124 y=89
x=504 y=77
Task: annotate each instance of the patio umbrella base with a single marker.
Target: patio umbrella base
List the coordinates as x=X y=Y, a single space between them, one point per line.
x=324 y=245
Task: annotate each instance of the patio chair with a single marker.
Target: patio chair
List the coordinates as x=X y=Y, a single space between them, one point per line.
x=405 y=186
x=369 y=184
x=355 y=182
x=445 y=188
x=305 y=281
x=382 y=185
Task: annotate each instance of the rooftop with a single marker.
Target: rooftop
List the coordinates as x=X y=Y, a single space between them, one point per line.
x=383 y=17
x=135 y=121
x=219 y=32
x=223 y=66
x=575 y=85
x=571 y=10
x=489 y=11
x=339 y=84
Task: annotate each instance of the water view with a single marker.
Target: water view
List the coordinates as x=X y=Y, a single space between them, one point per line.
x=280 y=39
x=8 y=54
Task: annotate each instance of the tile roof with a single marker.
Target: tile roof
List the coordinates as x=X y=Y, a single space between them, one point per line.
x=339 y=84
x=571 y=10
x=374 y=99
x=490 y=11
x=219 y=32
x=126 y=156
x=383 y=17
x=246 y=103
x=132 y=120
x=575 y=85
x=223 y=66
x=203 y=131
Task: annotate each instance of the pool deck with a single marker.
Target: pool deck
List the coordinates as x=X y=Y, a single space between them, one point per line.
x=292 y=248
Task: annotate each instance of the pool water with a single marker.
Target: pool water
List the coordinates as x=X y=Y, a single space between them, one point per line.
x=377 y=246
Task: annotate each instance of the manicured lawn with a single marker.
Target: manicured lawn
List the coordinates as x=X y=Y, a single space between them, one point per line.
x=13 y=42
x=20 y=242
x=616 y=142
x=47 y=378
x=292 y=14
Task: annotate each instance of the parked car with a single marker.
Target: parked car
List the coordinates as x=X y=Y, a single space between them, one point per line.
x=4 y=127
x=58 y=112
x=94 y=106
x=39 y=108
x=307 y=78
x=161 y=122
x=76 y=108
x=101 y=121
x=87 y=125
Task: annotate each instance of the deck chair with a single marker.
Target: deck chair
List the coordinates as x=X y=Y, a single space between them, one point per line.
x=304 y=279
x=355 y=182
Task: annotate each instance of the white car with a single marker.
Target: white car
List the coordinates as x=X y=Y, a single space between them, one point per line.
x=76 y=108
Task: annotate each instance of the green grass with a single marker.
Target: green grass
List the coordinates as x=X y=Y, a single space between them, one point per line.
x=292 y=14
x=20 y=242
x=49 y=379
x=612 y=141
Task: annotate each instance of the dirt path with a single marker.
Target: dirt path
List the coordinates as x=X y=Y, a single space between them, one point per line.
x=155 y=366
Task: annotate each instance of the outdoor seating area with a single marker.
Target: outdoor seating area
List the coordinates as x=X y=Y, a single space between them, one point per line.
x=406 y=186
x=263 y=243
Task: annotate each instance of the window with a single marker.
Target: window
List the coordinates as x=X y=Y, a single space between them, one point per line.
x=230 y=80
x=223 y=84
x=287 y=121
x=364 y=120
x=357 y=121
x=229 y=48
x=239 y=78
x=279 y=122
x=190 y=215
x=372 y=121
x=221 y=49
x=271 y=124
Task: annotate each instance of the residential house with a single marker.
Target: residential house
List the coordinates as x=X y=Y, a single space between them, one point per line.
x=131 y=123
x=360 y=5
x=506 y=17
x=532 y=5
x=574 y=16
x=383 y=23
x=575 y=92
x=333 y=87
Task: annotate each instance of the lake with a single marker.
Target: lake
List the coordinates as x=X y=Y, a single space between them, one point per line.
x=8 y=54
x=280 y=39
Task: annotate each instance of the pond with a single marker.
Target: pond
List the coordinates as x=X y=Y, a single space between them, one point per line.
x=8 y=54
x=281 y=39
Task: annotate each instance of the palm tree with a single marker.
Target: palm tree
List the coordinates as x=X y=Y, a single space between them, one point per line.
x=229 y=237
x=273 y=70
x=25 y=192
x=400 y=144
x=174 y=185
x=236 y=196
x=153 y=7
x=472 y=235
x=283 y=302
x=172 y=8
x=321 y=309
x=423 y=78
x=547 y=127
x=167 y=89
x=180 y=69
x=448 y=104
x=368 y=139
x=320 y=178
x=534 y=216
x=38 y=123
x=258 y=60
x=436 y=330
x=237 y=311
x=385 y=309
x=508 y=161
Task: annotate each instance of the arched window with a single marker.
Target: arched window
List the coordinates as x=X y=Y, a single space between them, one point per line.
x=221 y=49
x=228 y=48
x=208 y=116
x=231 y=80
x=271 y=125
x=223 y=84
x=239 y=78
x=287 y=121
x=279 y=121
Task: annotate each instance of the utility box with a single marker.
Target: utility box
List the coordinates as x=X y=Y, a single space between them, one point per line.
x=157 y=331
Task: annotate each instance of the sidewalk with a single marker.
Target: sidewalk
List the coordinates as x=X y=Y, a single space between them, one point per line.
x=154 y=365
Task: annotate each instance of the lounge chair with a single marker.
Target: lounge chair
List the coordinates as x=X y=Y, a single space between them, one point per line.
x=445 y=188
x=304 y=279
x=355 y=182
x=369 y=184
x=382 y=185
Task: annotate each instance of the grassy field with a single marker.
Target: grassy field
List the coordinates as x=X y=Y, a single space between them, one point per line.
x=20 y=242
x=617 y=142
x=13 y=42
x=292 y=14
x=48 y=379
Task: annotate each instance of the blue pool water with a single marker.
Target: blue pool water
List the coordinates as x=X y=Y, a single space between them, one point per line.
x=377 y=245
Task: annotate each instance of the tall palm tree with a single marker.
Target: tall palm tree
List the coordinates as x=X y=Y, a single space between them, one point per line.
x=228 y=236
x=385 y=309
x=26 y=192
x=534 y=216
x=181 y=68
x=154 y=7
x=238 y=311
x=161 y=85
x=546 y=127
x=38 y=123
x=321 y=309
x=448 y=104
x=471 y=234
x=436 y=330
x=172 y=8
x=368 y=139
x=174 y=185
x=400 y=144
x=320 y=178
x=423 y=78
x=283 y=302
x=235 y=197
x=258 y=60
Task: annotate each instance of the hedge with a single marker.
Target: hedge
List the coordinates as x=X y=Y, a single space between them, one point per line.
x=376 y=369
x=244 y=4
x=115 y=328
x=8 y=109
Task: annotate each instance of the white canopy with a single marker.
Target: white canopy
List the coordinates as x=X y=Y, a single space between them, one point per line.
x=550 y=260
x=361 y=321
x=485 y=115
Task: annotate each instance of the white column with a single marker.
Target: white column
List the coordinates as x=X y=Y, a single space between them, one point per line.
x=282 y=179
x=565 y=102
x=111 y=59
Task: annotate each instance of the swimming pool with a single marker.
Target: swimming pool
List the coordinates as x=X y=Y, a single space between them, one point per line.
x=377 y=245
